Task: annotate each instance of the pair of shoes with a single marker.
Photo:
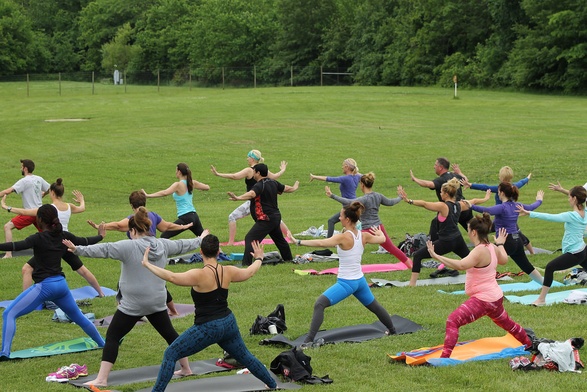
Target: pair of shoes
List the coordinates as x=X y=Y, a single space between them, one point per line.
x=381 y=250
x=315 y=344
x=66 y=373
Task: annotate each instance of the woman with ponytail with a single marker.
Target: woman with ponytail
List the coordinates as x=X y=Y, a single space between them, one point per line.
x=182 y=192
x=573 y=244
x=350 y=245
x=50 y=283
x=143 y=294
x=486 y=298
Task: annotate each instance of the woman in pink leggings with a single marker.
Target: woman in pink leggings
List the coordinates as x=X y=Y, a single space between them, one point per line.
x=486 y=298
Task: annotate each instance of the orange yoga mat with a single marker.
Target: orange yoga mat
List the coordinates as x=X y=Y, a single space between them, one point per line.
x=486 y=348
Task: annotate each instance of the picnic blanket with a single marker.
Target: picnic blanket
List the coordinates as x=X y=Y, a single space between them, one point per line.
x=78 y=294
x=512 y=287
x=351 y=334
x=182 y=309
x=473 y=350
x=367 y=269
x=234 y=383
x=551 y=298
x=149 y=373
x=47 y=350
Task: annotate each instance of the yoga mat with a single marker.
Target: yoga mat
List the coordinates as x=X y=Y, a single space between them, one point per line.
x=67 y=347
x=86 y=292
x=183 y=310
x=512 y=287
x=475 y=350
x=540 y=251
x=266 y=241
x=234 y=383
x=367 y=269
x=351 y=334
x=551 y=298
x=426 y=282
x=149 y=373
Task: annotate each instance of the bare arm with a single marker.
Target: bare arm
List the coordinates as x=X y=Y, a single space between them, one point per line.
x=470 y=261
x=78 y=197
x=502 y=256
x=18 y=211
x=558 y=188
x=115 y=226
x=245 y=196
x=6 y=191
x=291 y=189
x=282 y=167
x=422 y=183
x=245 y=173
x=337 y=239
x=164 y=226
x=164 y=192
x=436 y=206
x=200 y=186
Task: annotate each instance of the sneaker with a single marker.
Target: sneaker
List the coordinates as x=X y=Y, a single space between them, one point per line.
x=381 y=250
x=66 y=373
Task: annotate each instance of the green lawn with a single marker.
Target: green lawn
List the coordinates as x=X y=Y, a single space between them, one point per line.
x=133 y=140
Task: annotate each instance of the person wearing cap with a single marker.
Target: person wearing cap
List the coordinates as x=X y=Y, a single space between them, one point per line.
x=31 y=189
x=253 y=157
x=265 y=212
x=348 y=187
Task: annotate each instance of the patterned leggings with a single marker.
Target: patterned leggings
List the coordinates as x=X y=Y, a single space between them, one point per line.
x=225 y=333
x=473 y=309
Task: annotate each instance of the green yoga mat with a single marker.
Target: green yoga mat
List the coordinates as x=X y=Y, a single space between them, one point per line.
x=69 y=346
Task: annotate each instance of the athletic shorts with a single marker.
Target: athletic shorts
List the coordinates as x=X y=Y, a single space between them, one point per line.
x=22 y=221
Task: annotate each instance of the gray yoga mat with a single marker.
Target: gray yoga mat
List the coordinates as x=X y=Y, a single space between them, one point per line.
x=351 y=334
x=427 y=282
x=149 y=373
x=234 y=383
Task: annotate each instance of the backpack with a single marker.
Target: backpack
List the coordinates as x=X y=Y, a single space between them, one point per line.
x=292 y=364
x=272 y=258
x=261 y=324
x=413 y=243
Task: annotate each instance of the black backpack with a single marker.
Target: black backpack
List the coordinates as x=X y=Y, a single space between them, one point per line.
x=413 y=243
x=292 y=364
x=261 y=324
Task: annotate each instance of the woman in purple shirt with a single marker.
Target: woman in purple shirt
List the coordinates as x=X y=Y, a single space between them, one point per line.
x=506 y=216
x=348 y=187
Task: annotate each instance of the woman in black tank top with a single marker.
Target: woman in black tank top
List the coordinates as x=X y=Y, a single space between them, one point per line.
x=214 y=322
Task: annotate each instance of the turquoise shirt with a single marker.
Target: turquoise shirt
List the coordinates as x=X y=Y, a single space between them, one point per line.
x=184 y=203
x=574 y=228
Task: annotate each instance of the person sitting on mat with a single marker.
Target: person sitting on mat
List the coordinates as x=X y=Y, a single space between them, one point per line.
x=142 y=293
x=486 y=297
x=350 y=245
x=214 y=321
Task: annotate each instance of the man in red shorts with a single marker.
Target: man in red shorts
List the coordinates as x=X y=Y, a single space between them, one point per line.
x=31 y=189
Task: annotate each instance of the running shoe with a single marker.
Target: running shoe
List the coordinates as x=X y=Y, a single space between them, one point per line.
x=381 y=250
x=66 y=373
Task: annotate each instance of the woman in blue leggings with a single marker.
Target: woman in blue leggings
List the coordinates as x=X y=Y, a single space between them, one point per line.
x=50 y=284
x=214 y=321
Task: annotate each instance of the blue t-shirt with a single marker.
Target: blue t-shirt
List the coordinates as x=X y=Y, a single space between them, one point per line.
x=348 y=184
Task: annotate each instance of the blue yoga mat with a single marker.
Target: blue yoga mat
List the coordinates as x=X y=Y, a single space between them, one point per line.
x=85 y=292
x=551 y=298
x=512 y=287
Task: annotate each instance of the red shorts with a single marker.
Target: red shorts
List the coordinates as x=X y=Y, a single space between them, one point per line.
x=22 y=221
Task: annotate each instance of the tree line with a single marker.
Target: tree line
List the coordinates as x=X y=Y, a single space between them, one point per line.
x=521 y=44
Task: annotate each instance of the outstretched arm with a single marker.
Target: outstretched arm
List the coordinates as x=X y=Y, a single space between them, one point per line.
x=463 y=264
x=282 y=167
x=558 y=188
x=164 y=226
x=78 y=197
x=430 y=206
x=115 y=226
x=245 y=196
x=164 y=192
x=245 y=173
x=200 y=186
x=291 y=189
x=422 y=183
x=16 y=210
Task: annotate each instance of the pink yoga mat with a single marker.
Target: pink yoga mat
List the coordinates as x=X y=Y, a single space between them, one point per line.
x=266 y=241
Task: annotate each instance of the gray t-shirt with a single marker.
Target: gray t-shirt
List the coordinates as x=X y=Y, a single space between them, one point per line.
x=371 y=201
x=31 y=188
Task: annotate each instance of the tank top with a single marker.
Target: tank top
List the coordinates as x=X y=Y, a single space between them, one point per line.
x=212 y=305
x=63 y=216
x=184 y=203
x=480 y=282
x=249 y=182
x=448 y=227
x=349 y=261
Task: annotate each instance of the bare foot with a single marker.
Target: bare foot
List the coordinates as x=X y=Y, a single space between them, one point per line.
x=97 y=383
x=176 y=313
x=182 y=373
x=539 y=303
x=8 y=255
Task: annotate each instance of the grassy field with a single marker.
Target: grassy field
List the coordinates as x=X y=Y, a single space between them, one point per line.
x=134 y=140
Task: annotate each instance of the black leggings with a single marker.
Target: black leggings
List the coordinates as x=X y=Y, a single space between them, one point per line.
x=514 y=247
x=259 y=231
x=190 y=217
x=564 y=261
x=441 y=247
x=122 y=324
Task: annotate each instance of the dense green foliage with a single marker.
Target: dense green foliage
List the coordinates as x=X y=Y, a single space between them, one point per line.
x=524 y=44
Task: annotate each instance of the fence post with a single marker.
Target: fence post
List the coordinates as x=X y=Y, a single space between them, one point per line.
x=223 y=78
x=59 y=83
x=92 y=82
x=254 y=76
x=27 y=85
x=291 y=75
